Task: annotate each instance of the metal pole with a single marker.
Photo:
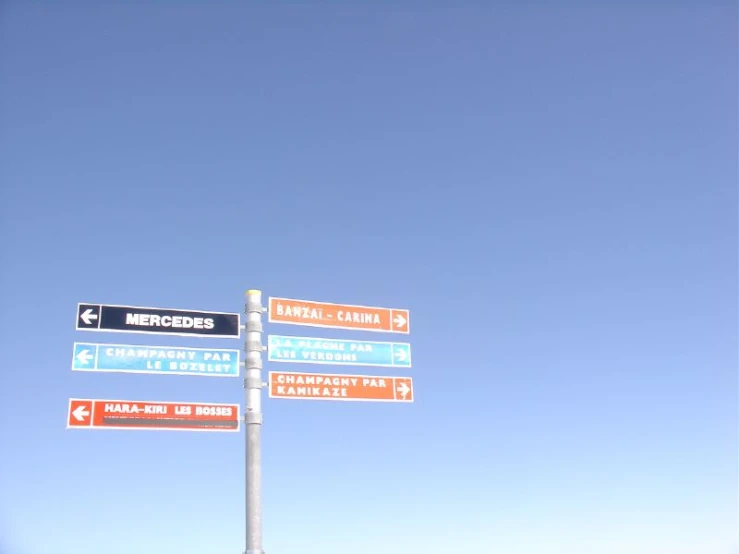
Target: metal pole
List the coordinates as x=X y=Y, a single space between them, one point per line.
x=253 y=421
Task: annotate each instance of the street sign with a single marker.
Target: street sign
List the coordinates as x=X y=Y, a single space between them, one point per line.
x=338 y=316
x=168 y=360
x=314 y=386
x=310 y=350
x=159 y=416
x=157 y=321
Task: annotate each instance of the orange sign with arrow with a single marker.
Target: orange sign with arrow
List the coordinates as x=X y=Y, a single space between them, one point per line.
x=127 y=414
x=339 y=316
x=330 y=386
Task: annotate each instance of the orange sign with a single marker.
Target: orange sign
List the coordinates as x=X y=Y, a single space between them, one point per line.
x=338 y=316
x=126 y=414
x=329 y=386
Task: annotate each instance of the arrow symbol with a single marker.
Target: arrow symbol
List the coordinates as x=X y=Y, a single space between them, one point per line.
x=400 y=321
x=84 y=357
x=404 y=389
x=80 y=413
x=401 y=354
x=88 y=317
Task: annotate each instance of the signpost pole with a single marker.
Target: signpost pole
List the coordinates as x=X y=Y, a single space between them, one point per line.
x=253 y=421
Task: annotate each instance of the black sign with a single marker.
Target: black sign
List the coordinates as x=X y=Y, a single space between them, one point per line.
x=157 y=321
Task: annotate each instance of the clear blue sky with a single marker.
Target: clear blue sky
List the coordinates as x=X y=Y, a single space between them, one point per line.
x=552 y=192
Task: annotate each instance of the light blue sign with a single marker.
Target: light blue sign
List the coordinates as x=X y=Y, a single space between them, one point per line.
x=310 y=350
x=173 y=360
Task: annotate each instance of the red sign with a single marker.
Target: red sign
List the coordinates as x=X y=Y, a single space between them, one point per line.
x=330 y=386
x=339 y=316
x=176 y=416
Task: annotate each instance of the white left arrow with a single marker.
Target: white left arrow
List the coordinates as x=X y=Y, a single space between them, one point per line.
x=80 y=413
x=88 y=317
x=404 y=389
x=84 y=356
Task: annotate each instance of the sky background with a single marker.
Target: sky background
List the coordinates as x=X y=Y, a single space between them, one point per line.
x=552 y=192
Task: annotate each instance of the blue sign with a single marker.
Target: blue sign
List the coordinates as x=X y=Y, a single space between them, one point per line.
x=309 y=350
x=173 y=360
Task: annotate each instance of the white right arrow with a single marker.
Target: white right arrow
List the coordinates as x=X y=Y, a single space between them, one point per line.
x=84 y=356
x=401 y=354
x=404 y=390
x=80 y=413
x=400 y=321
x=87 y=316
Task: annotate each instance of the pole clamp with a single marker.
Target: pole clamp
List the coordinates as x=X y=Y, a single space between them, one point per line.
x=253 y=383
x=254 y=346
x=251 y=418
x=253 y=307
x=253 y=327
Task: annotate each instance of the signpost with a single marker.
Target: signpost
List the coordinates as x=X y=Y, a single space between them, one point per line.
x=338 y=316
x=160 y=416
x=158 y=321
x=85 y=413
x=328 y=386
x=253 y=422
x=311 y=350
x=167 y=360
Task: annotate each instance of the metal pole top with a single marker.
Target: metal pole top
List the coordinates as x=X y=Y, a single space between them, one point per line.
x=253 y=291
